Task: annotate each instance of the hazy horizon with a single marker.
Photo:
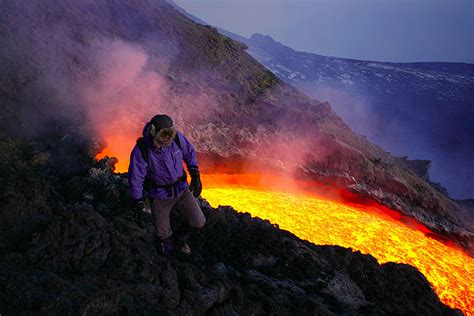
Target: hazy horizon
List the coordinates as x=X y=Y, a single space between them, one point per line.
x=386 y=31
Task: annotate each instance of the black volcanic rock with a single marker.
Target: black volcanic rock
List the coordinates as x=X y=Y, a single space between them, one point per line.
x=69 y=246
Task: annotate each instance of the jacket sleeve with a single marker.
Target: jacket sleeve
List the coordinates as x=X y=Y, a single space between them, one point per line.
x=137 y=171
x=189 y=154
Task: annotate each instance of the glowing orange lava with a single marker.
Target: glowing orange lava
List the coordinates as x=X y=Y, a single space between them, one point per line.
x=325 y=221
x=119 y=146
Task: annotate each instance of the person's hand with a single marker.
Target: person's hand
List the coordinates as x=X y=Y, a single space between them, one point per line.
x=140 y=213
x=139 y=205
x=196 y=186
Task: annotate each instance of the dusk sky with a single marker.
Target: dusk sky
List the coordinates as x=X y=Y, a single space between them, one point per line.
x=378 y=30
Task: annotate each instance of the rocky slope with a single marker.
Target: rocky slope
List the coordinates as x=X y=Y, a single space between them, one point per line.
x=98 y=67
x=69 y=246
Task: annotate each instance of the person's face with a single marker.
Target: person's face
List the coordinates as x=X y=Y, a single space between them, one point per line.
x=162 y=141
x=164 y=137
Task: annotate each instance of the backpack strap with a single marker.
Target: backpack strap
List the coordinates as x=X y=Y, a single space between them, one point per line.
x=143 y=148
x=178 y=142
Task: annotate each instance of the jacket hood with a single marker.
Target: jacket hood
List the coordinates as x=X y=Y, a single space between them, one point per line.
x=145 y=129
x=147 y=137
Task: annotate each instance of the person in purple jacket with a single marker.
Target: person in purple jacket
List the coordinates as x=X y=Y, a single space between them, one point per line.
x=156 y=171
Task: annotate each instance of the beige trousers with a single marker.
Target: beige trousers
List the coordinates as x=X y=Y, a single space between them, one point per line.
x=188 y=206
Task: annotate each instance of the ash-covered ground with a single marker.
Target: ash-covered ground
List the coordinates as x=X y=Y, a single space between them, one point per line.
x=70 y=245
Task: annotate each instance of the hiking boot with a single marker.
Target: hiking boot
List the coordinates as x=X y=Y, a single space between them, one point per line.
x=184 y=248
x=184 y=232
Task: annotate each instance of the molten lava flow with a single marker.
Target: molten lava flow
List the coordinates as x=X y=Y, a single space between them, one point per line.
x=364 y=228
x=119 y=146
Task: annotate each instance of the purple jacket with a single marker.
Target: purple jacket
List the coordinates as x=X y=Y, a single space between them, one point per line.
x=165 y=166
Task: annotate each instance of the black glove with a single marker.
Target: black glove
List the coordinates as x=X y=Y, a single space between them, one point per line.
x=139 y=205
x=196 y=186
x=140 y=214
